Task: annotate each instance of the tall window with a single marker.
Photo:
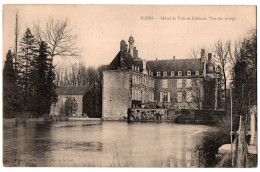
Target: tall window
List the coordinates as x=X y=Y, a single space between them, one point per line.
x=164 y=73
x=179 y=83
x=188 y=83
x=139 y=95
x=188 y=96
x=165 y=97
x=165 y=83
x=197 y=82
x=64 y=99
x=179 y=97
x=133 y=94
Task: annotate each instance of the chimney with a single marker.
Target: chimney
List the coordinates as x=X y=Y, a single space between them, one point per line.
x=209 y=57
x=144 y=67
x=173 y=58
x=203 y=55
x=135 y=53
x=123 y=46
x=156 y=59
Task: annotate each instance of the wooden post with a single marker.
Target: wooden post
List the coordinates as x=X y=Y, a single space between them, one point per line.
x=231 y=133
x=242 y=145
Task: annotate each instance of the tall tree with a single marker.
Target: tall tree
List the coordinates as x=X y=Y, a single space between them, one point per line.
x=9 y=86
x=42 y=81
x=16 y=39
x=244 y=73
x=27 y=53
x=223 y=54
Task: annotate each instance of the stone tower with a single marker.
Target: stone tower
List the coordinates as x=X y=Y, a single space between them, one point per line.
x=131 y=45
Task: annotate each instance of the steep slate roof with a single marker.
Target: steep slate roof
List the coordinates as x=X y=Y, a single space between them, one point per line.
x=176 y=65
x=116 y=62
x=71 y=90
x=129 y=61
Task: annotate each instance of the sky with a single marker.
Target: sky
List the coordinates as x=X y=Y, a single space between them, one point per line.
x=160 y=31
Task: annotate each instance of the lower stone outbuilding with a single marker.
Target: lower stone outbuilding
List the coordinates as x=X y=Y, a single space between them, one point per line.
x=70 y=101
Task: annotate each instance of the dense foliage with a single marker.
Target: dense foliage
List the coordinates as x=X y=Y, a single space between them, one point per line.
x=29 y=81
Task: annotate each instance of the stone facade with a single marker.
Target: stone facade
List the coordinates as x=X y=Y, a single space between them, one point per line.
x=132 y=82
x=179 y=93
x=116 y=98
x=70 y=101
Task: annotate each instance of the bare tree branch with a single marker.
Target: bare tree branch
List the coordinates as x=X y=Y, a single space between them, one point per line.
x=59 y=37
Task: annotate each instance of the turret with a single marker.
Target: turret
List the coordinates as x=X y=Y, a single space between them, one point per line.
x=131 y=45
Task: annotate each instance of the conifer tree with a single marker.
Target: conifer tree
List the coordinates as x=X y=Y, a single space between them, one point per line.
x=28 y=46
x=9 y=86
x=42 y=79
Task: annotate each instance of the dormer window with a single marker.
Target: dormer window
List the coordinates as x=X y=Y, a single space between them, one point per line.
x=172 y=73
x=158 y=74
x=188 y=73
x=164 y=73
x=197 y=72
x=179 y=73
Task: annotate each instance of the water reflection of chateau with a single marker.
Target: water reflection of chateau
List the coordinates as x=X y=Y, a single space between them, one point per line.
x=132 y=82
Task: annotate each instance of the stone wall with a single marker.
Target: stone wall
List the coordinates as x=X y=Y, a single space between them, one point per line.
x=116 y=95
x=175 y=115
x=148 y=114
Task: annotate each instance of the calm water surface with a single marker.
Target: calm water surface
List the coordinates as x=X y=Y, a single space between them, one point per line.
x=105 y=144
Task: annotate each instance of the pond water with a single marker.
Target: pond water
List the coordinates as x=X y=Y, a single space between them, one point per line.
x=102 y=144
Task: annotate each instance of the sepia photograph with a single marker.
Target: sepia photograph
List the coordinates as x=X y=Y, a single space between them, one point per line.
x=168 y=86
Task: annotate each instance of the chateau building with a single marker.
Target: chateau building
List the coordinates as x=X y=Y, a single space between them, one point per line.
x=132 y=82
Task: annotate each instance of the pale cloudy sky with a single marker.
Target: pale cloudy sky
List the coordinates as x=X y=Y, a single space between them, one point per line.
x=101 y=27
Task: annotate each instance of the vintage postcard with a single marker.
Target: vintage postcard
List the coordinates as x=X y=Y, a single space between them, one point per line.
x=129 y=86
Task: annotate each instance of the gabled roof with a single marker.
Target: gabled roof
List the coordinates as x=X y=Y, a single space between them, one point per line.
x=114 y=65
x=176 y=65
x=128 y=60
x=71 y=90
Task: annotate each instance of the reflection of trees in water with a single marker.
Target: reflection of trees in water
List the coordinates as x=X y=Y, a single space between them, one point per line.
x=38 y=143
x=11 y=147
x=184 y=155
